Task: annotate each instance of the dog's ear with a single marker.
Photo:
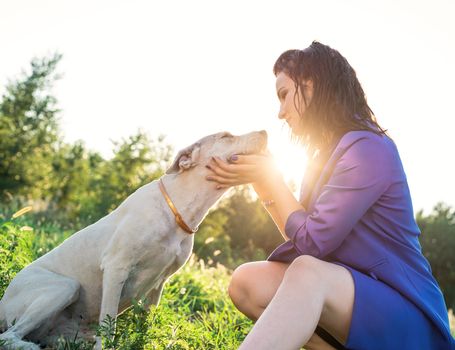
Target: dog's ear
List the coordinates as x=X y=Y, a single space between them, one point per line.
x=185 y=159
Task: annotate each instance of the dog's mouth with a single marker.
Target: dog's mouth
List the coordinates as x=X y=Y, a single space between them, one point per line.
x=255 y=146
x=231 y=157
x=257 y=151
x=246 y=153
x=249 y=153
x=260 y=145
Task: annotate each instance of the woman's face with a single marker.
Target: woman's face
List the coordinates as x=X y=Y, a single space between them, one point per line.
x=285 y=89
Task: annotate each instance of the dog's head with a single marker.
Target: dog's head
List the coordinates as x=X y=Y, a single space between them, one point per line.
x=222 y=145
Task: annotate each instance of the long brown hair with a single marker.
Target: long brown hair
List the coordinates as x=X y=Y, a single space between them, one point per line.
x=338 y=104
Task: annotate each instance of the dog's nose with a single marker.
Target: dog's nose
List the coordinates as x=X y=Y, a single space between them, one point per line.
x=263 y=139
x=263 y=133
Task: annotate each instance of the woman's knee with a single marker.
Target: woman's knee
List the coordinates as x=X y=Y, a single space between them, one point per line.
x=238 y=286
x=254 y=284
x=304 y=266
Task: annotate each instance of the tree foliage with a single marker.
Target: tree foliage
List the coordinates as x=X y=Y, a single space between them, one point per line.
x=252 y=232
x=28 y=130
x=70 y=182
x=438 y=246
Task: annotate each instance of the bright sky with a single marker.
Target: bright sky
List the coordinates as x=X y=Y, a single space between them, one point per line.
x=191 y=68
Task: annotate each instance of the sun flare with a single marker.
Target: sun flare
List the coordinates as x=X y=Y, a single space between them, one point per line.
x=291 y=160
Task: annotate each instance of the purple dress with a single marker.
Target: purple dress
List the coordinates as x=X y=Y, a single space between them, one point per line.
x=359 y=215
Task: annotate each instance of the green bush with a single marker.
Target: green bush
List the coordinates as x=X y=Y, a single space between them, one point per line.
x=438 y=246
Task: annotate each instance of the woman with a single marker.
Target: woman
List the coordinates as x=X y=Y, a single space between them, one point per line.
x=351 y=273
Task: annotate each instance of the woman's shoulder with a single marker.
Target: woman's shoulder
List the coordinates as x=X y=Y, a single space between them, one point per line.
x=365 y=139
x=366 y=147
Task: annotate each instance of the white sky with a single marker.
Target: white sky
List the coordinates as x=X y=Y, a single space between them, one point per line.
x=190 y=68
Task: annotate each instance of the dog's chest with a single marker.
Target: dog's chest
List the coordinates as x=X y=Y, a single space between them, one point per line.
x=155 y=267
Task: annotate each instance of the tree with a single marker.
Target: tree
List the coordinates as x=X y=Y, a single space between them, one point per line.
x=252 y=233
x=137 y=160
x=72 y=183
x=28 y=130
x=438 y=246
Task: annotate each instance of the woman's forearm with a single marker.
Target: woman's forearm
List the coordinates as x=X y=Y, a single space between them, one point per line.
x=279 y=222
x=284 y=202
x=268 y=183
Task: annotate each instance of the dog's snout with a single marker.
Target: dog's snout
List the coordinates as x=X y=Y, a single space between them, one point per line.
x=264 y=135
x=263 y=139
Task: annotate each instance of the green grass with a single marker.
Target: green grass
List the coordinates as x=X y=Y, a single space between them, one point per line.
x=15 y=251
x=195 y=311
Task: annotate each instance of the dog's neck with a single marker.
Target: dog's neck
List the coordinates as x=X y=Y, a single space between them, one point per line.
x=191 y=194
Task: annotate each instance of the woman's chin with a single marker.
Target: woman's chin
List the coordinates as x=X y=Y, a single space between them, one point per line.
x=296 y=131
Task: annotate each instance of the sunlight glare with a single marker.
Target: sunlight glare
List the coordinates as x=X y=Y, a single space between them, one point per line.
x=290 y=159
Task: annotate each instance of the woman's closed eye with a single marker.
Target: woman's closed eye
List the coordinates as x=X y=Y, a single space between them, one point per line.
x=282 y=94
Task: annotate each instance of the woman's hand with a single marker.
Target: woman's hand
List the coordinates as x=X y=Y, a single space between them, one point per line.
x=258 y=169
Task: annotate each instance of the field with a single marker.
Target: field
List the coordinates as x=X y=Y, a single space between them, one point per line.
x=195 y=311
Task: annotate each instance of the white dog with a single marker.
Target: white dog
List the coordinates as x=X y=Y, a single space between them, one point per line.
x=126 y=255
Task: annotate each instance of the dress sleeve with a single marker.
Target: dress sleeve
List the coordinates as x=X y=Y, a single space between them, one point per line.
x=358 y=179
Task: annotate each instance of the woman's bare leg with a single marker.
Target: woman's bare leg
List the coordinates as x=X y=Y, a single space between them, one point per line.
x=299 y=296
x=254 y=284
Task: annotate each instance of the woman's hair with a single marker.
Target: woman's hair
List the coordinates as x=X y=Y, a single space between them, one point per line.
x=338 y=104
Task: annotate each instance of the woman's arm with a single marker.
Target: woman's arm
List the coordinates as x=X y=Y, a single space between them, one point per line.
x=260 y=171
x=265 y=197
x=360 y=176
